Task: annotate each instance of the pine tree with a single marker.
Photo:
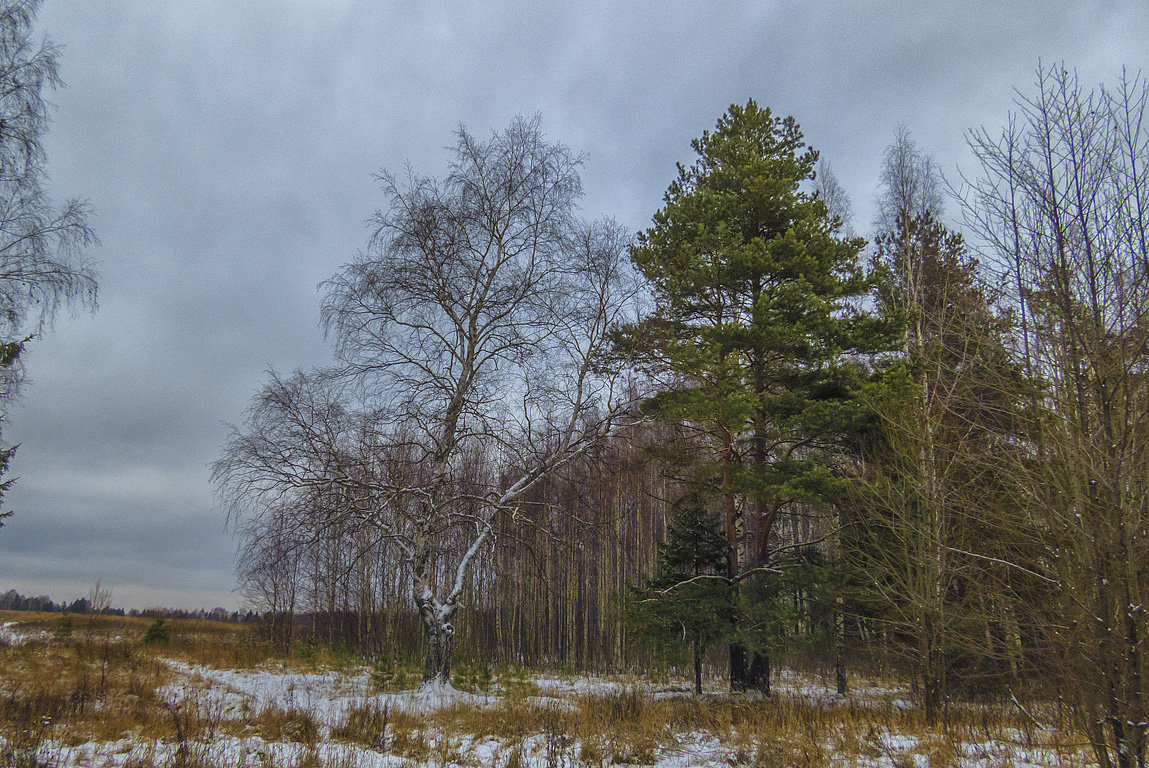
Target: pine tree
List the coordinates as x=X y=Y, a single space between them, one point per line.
x=755 y=326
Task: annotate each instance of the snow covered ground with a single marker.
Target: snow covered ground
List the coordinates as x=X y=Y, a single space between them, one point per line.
x=325 y=695
x=279 y=715
x=328 y=696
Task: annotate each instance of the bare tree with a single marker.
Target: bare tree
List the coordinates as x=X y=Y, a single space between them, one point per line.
x=930 y=493
x=41 y=264
x=831 y=192
x=470 y=336
x=911 y=184
x=1062 y=205
x=911 y=569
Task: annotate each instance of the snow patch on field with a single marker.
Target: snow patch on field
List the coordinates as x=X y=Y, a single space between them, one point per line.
x=326 y=696
x=9 y=635
x=224 y=751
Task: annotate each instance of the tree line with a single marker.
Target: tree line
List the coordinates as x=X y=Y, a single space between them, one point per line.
x=14 y=601
x=744 y=431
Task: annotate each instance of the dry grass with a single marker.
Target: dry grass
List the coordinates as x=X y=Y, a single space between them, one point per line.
x=98 y=683
x=81 y=679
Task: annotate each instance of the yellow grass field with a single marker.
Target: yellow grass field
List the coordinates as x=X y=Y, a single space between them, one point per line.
x=88 y=691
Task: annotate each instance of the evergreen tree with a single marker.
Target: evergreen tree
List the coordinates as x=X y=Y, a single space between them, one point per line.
x=755 y=327
x=9 y=355
x=688 y=600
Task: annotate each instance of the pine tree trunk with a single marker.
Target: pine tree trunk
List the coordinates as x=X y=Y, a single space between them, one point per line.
x=840 y=647
x=758 y=676
x=738 y=671
x=697 y=666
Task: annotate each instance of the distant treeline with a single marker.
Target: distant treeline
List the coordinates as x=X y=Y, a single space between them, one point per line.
x=14 y=601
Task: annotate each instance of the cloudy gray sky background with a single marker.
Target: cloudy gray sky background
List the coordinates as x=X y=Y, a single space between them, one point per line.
x=228 y=149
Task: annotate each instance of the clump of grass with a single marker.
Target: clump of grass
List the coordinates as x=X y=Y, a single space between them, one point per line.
x=25 y=748
x=374 y=726
x=941 y=752
x=619 y=727
x=82 y=695
x=277 y=724
x=515 y=682
x=513 y=757
x=409 y=739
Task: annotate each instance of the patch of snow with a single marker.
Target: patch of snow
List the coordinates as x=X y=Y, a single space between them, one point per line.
x=326 y=696
x=9 y=635
x=581 y=685
x=440 y=695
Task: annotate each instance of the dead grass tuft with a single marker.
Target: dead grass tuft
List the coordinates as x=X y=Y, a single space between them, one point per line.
x=375 y=726
x=276 y=724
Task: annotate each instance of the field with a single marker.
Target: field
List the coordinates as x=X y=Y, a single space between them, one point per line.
x=89 y=691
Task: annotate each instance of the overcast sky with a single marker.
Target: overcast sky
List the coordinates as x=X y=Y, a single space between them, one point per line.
x=227 y=150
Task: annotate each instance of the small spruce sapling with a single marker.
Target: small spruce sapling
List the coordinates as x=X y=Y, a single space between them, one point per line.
x=158 y=633
x=688 y=601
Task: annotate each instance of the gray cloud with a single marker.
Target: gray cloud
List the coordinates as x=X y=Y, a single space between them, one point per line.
x=227 y=150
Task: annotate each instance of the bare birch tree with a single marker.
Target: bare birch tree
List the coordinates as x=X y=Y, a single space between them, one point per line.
x=470 y=338
x=1062 y=203
x=41 y=262
x=949 y=402
x=834 y=196
x=911 y=184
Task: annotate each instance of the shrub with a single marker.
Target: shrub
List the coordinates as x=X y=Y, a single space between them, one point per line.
x=64 y=627
x=341 y=657
x=473 y=678
x=159 y=633
x=308 y=649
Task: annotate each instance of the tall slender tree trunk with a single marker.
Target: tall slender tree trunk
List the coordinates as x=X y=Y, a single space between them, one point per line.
x=839 y=617
x=738 y=657
x=932 y=663
x=697 y=652
x=840 y=646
